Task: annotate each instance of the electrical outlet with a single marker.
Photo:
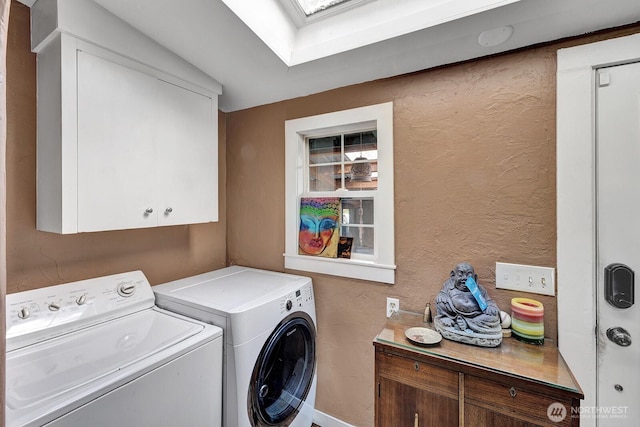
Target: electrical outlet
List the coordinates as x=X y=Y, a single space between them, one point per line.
x=525 y=278
x=393 y=305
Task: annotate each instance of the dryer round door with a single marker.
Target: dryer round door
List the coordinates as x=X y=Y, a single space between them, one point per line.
x=283 y=373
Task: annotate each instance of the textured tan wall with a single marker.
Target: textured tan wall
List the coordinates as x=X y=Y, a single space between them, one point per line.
x=36 y=259
x=474 y=181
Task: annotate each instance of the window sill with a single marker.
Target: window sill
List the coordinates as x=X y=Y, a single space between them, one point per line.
x=353 y=268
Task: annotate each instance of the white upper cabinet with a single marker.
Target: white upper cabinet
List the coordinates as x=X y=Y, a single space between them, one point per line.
x=121 y=143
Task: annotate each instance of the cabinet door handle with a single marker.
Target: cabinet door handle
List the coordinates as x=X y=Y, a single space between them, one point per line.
x=416 y=366
x=168 y=210
x=416 y=421
x=512 y=392
x=148 y=211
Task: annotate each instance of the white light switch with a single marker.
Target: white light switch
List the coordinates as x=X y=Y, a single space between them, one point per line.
x=525 y=278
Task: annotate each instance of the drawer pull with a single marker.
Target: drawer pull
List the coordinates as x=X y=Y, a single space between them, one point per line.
x=416 y=366
x=512 y=392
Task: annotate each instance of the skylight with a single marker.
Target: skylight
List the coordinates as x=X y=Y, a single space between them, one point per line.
x=301 y=31
x=309 y=7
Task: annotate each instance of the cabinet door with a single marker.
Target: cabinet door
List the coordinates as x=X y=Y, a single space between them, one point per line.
x=403 y=405
x=116 y=151
x=408 y=387
x=187 y=156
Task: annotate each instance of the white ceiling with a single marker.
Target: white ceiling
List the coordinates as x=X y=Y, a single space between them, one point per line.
x=269 y=58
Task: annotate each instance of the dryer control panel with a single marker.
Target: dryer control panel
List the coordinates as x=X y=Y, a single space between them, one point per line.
x=297 y=300
x=44 y=313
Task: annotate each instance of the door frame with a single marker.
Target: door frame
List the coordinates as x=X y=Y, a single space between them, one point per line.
x=576 y=202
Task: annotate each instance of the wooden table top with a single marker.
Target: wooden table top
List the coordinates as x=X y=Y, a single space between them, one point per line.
x=539 y=363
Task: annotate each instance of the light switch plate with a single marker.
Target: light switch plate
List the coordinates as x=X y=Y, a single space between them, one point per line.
x=525 y=278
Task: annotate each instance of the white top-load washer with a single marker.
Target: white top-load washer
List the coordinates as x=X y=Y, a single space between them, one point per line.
x=99 y=353
x=269 y=320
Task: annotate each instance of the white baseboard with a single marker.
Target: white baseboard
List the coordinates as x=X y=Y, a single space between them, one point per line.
x=325 y=420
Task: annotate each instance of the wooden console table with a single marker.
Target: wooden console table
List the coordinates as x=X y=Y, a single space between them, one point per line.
x=455 y=384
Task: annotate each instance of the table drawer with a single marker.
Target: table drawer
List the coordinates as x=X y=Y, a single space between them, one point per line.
x=418 y=374
x=516 y=401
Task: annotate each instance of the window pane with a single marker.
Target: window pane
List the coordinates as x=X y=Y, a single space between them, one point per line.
x=361 y=155
x=357 y=222
x=362 y=238
x=314 y=6
x=361 y=144
x=324 y=150
x=360 y=170
x=357 y=211
x=324 y=178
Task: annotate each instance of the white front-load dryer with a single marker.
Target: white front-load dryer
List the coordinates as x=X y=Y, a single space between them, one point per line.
x=269 y=323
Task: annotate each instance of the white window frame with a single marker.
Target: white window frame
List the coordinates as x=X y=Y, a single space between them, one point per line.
x=381 y=267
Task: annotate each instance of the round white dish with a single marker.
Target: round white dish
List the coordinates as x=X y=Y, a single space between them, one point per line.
x=420 y=335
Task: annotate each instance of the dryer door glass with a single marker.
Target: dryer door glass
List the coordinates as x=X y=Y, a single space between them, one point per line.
x=283 y=372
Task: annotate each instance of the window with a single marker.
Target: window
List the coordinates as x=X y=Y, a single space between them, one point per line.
x=314 y=6
x=304 y=12
x=346 y=155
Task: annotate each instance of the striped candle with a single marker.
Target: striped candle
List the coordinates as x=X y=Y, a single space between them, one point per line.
x=527 y=320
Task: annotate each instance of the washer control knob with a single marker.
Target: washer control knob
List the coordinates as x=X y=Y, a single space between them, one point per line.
x=24 y=313
x=126 y=289
x=82 y=299
x=289 y=304
x=54 y=306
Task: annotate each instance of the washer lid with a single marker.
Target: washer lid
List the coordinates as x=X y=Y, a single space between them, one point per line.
x=61 y=370
x=231 y=289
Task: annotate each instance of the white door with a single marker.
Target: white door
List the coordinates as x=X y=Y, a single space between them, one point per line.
x=618 y=222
